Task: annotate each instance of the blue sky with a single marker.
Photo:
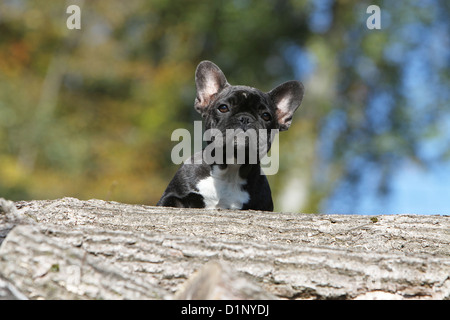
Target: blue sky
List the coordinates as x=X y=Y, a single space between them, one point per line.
x=422 y=50
x=416 y=189
x=420 y=191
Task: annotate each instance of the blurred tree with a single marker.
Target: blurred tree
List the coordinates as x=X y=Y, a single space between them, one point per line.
x=89 y=113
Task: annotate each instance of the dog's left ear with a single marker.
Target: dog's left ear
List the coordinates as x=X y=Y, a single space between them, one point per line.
x=287 y=98
x=209 y=80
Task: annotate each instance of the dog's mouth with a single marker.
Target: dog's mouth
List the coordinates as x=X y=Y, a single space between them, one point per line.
x=240 y=138
x=248 y=146
x=241 y=146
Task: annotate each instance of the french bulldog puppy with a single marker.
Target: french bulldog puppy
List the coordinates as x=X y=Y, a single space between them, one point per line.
x=227 y=181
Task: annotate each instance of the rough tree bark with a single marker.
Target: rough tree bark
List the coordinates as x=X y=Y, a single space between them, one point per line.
x=72 y=249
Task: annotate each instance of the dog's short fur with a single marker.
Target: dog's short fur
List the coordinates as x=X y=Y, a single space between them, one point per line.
x=223 y=106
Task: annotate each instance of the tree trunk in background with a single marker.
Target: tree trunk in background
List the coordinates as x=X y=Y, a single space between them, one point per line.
x=67 y=249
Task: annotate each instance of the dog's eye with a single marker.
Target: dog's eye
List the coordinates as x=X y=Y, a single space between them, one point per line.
x=223 y=108
x=266 y=116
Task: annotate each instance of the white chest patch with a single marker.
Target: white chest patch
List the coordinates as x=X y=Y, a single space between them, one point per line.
x=223 y=189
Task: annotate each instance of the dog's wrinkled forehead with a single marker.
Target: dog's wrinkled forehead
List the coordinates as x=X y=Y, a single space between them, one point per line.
x=244 y=96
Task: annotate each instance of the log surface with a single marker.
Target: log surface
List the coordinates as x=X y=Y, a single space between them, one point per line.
x=73 y=249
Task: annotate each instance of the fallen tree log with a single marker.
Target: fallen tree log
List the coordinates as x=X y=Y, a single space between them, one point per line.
x=94 y=249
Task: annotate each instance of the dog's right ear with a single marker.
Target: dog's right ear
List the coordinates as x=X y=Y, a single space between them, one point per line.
x=209 y=80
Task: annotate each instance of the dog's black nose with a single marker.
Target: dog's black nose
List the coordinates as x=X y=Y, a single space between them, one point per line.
x=244 y=119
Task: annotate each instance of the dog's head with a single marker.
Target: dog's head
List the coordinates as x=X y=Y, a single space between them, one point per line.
x=243 y=108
